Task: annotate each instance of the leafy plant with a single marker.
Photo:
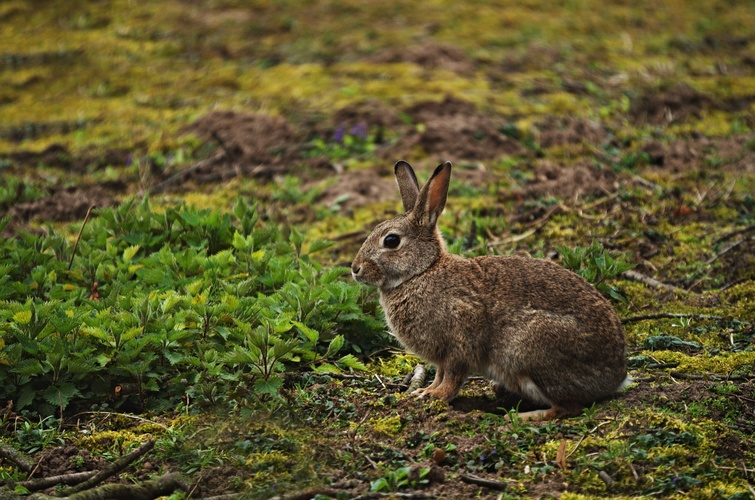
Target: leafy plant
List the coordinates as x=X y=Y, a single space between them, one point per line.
x=597 y=266
x=157 y=307
x=400 y=478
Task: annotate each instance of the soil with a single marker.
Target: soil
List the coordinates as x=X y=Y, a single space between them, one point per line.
x=430 y=55
x=700 y=152
x=454 y=130
x=681 y=103
x=573 y=181
x=359 y=188
x=251 y=144
x=67 y=204
x=559 y=131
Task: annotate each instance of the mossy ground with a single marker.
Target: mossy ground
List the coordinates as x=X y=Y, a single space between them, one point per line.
x=635 y=117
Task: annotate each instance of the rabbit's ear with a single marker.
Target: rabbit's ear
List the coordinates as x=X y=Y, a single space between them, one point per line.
x=432 y=197
x=407 y=184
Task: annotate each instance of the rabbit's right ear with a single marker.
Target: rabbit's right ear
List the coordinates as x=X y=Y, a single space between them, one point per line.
x=432 y=197
x=407 y=184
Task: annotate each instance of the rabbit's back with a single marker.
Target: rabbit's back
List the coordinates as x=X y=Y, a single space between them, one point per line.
x=516 y=320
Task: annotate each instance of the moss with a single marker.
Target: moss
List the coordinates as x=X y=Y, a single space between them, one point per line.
x=395 y=366
x=389 y=426
x=722 y=363
x=118 y=441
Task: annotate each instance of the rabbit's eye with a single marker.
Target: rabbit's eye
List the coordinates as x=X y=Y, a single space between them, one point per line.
x=392 y=241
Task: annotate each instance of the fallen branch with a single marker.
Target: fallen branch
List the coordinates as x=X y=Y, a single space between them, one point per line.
x=487 y=483
x=418 y=378
x=643 y=317
x=306 y=495
x=112 y=469
x=710 y=376
x=736 y=232
x=394 y=494
x=647 y=280
x=43 y=483
x=726 y=249
x=606 y=478
x=14 y=456
x=148 y=490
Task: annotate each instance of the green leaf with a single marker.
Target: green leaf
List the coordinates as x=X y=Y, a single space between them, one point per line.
x=327 y=368
x=311 y=334
x=59 y=396
x=22 y=317
x=335 y=345
x=350 y=361
x=380 y=484
x=317 y=245
x=129 y=253
x=271 y=386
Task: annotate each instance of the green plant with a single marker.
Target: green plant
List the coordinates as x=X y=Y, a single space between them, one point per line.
x=33 y=437
x=159 y=306
x=400 y=478
x=597 y=266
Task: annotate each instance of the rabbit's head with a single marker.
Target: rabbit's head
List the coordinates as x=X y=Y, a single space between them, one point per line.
x=408 y=245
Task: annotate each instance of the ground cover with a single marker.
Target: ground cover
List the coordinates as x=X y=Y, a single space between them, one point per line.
x=199 y=323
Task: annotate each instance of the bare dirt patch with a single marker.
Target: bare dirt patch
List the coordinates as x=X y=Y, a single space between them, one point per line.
x=59 y=156
x=454 y=130
x=67 y=204
x=567 y=182
x=252 y=144
x=66 y=460
x=359 y=188
x=701 y=152
x=555 y=131
x=430 y=55
x=674 y=105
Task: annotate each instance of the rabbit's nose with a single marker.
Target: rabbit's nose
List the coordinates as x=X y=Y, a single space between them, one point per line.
x=355 y=268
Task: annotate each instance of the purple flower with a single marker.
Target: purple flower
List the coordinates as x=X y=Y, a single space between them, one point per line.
x=129 y=159
x=360 y=130
x=340 y=133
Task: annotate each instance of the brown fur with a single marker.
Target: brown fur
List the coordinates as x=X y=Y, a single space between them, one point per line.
x=530 y=325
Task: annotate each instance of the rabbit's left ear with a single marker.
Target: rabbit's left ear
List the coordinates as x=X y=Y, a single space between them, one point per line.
x=407 y=184
x=432 y=197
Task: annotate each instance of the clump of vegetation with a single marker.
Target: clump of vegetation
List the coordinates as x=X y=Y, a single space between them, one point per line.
x=174 y=306
x=597 y=266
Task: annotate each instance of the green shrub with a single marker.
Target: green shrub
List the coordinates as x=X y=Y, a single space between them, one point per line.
x=161 y=308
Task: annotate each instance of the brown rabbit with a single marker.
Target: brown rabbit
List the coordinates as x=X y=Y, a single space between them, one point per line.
x=533 y=327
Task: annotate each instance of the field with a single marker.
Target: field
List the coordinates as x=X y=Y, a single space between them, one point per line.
x=183 y=186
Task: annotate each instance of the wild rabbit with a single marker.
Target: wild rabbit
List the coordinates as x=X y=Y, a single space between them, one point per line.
x=533 y=327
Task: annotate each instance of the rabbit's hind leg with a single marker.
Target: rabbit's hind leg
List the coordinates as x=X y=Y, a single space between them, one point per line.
x=422 y=391
x=553 y=413
x=449 y=387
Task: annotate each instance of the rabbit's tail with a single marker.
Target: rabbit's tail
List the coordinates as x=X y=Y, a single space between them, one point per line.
x=625 y=383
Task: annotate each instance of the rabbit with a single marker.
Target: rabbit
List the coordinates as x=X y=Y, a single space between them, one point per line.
x=534 y=328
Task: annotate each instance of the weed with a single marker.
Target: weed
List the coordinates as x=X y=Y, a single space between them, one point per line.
x=597 y=266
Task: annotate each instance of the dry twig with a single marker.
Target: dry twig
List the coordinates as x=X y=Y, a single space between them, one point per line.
x=487 y=483
x=535 y=227
x=643 y=317
x=112 y=469
x=647 y=280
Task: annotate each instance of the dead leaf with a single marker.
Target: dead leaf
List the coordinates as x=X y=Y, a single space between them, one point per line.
x=561 y=455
